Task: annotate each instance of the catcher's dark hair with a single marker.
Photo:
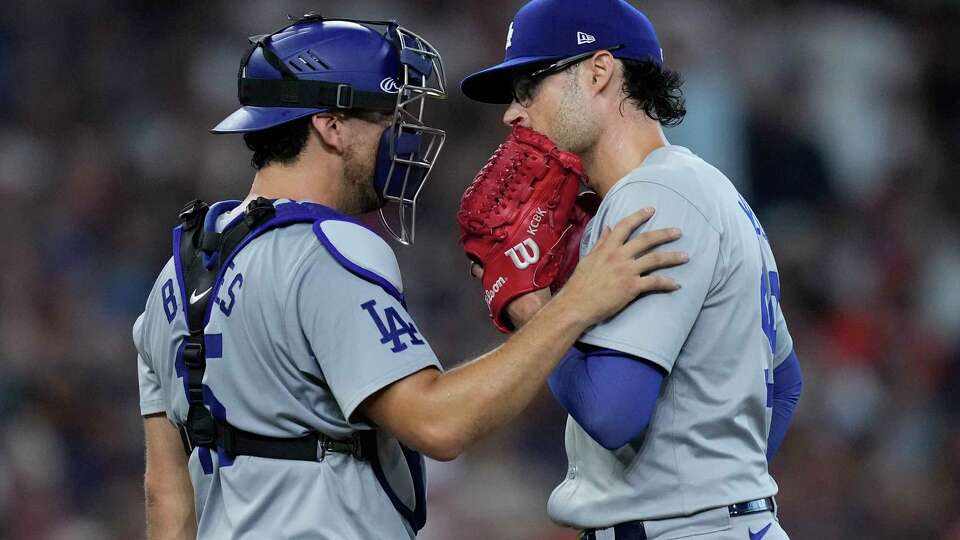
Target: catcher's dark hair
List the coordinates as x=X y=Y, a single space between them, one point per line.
x=283 y=144
x=280 y=144
x=655 y=90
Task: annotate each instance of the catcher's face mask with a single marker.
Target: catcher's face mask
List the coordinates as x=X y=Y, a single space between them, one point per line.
x=408 y=147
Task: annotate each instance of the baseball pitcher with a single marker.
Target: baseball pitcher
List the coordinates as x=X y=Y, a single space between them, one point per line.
x=677 y=403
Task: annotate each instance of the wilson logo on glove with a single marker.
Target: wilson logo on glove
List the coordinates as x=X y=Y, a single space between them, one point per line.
x=488 y=296
x=527 y=189
x=520 y=251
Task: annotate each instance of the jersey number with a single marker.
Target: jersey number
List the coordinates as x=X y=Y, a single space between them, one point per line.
x=225 y=306
x=769 y=285
x=169 y=300
x=394 y=328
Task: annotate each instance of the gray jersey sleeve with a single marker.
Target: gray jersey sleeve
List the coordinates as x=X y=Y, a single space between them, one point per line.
x=362 y=337
x=655 y=326
x=151 y=393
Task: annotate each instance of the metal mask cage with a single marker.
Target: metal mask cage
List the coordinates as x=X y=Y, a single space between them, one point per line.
x=409 y=170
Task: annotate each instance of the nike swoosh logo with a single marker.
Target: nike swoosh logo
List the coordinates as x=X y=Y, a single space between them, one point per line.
x=759 y=534
x=194 y=297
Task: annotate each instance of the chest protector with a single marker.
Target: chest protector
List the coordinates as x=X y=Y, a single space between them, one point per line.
x=200 y=256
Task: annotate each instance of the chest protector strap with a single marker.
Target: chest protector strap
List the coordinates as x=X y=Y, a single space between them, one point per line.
x=203 y=254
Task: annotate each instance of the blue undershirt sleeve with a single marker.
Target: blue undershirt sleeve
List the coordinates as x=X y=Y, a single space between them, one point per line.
x=611 y=394
x=787 y=383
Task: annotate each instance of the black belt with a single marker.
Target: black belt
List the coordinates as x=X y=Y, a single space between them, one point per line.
x=310 y=447
x=634 y=530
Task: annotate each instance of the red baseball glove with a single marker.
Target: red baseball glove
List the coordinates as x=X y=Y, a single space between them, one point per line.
x=583 y=211
x=515 y=219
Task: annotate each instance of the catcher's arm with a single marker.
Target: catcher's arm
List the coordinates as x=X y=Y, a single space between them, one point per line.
x=442 y=414
x=169 y=494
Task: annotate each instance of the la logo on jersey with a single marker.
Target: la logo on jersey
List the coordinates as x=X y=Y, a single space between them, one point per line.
x=524 y=254
x=583 y=38
x=509 y=36
x=394 y=328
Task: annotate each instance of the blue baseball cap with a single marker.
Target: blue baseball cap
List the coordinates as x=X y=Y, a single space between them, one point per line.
x=544 y=31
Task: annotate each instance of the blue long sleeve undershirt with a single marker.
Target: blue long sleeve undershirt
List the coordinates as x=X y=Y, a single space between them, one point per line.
x=612 y=395
x=609 y=393
x=787 y=383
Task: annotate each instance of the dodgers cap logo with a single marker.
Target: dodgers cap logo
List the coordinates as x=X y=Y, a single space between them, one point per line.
x=545 y=31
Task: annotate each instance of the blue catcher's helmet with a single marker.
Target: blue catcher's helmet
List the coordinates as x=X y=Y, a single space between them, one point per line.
x=316 y=64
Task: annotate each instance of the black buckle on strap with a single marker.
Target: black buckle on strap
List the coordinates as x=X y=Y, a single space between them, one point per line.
x=354 y=446
x=200 y=426
x=192 y=355
x=191 y=214
x=259 y=209
x=344 y=96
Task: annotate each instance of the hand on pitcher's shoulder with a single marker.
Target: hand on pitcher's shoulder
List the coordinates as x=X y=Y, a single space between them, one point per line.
x=618 y=268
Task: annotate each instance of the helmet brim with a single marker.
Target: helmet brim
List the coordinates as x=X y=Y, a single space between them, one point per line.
x=250 y=118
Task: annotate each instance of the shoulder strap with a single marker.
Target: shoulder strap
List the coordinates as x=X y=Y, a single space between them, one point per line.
x=202 y=256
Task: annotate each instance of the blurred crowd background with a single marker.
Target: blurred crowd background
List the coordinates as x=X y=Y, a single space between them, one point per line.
x=839 y=121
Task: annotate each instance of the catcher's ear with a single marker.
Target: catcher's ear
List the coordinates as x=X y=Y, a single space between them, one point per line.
x=600 y=70
x=330 y=130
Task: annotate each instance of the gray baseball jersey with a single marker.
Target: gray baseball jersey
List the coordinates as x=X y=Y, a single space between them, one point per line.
x=719 y=338
x=295 y=343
